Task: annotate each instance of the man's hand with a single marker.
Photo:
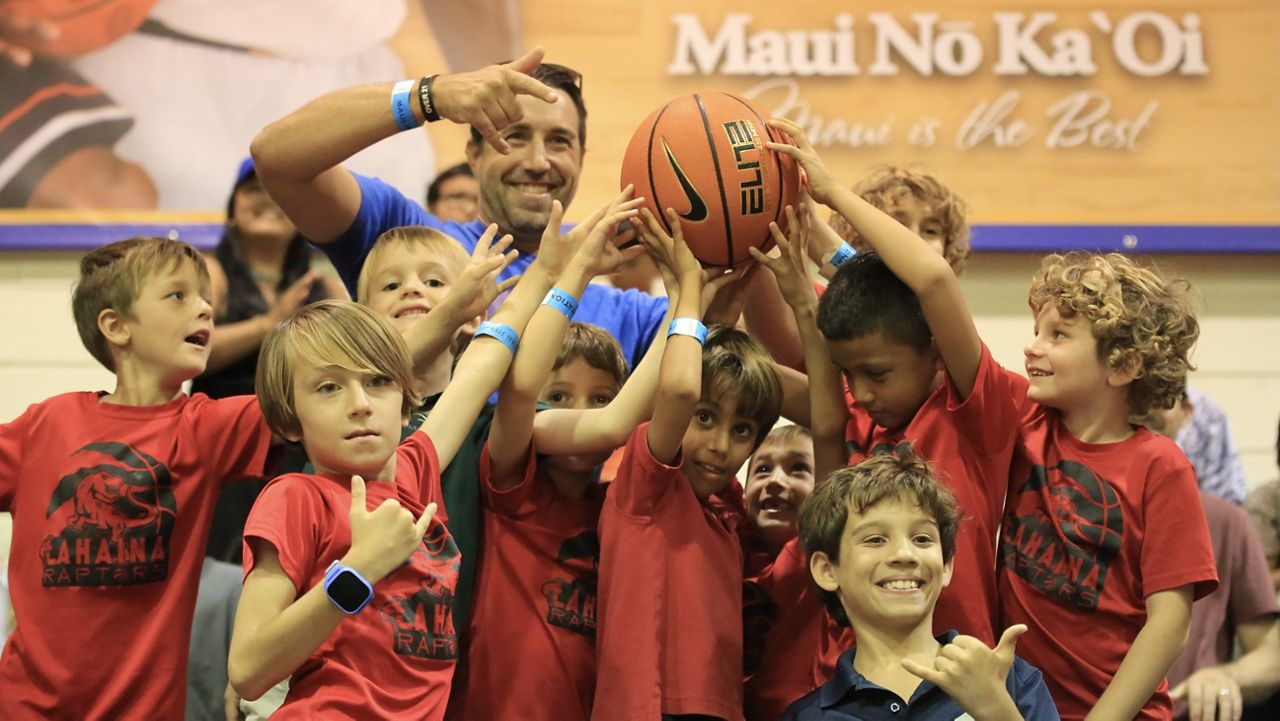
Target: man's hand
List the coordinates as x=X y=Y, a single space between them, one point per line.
x=384 y=538
x=1210 y=695
x=973 y=674
x=486 y=98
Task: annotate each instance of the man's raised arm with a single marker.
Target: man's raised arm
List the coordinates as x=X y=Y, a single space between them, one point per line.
x=299 y=157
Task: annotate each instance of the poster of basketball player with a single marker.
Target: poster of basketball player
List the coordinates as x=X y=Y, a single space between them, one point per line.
x=151 y=104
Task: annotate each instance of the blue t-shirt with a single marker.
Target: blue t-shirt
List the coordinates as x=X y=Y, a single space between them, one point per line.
x=632 y=317
x=849 y=695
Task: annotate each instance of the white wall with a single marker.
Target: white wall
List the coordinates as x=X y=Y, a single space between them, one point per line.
x=1238 y=354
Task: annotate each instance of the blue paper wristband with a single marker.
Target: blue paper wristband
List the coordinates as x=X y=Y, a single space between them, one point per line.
x=691 y=327
x=401 y=110
x=842 y=255
x=503 y=333
x=561 y=301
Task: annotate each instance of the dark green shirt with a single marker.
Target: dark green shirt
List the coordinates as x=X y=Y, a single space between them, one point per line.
x=460 y=485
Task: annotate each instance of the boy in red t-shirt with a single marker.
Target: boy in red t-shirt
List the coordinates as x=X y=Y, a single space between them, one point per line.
x=112 y=496
x=1104 y=544
x=536 y=596
x=897 y=324
x=337 y=377
x=670 y=634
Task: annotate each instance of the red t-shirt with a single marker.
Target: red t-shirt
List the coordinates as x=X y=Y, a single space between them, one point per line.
x=970 y=444
x=1092 y=530
x=395 y=658
x=792 y=643
x=670 y=636
x=111 y=511
x=535 y=602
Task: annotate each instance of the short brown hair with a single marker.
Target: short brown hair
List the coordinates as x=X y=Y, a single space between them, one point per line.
x=111 y=277
x=595 y=347
x=900 y=475
x=734 y=363
x=888 y=182
x=1141 y=321
x=789 y=433
x=409 y=235
x=330 y=332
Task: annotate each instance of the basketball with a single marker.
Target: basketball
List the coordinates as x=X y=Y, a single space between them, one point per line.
x=703 y=155
x=84 y=25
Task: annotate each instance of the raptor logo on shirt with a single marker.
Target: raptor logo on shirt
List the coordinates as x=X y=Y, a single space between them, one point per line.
x=1062 y=533
x=571 y=602
x=116 y=514
x=422 y=622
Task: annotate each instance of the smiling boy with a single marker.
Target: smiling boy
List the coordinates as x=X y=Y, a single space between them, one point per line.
x=881 y=540
x=1104 y=529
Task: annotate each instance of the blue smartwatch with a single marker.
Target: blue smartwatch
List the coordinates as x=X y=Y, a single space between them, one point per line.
x=346 y=588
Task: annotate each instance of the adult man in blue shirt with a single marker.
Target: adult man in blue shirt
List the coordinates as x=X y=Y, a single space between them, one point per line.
x=527 y=144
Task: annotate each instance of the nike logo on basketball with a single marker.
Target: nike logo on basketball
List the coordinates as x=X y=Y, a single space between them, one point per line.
x=697 y=208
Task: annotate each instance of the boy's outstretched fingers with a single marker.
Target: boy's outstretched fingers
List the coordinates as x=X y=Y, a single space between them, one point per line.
x=931 y=675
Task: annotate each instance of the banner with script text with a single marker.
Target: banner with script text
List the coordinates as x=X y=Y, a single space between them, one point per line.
x=1150 y=127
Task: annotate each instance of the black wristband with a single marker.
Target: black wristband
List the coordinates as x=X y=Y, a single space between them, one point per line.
x=424 y=99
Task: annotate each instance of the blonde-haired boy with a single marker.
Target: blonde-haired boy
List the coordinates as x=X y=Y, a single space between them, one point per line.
x=337 y=377
x=1104 y=531
x=112 y=495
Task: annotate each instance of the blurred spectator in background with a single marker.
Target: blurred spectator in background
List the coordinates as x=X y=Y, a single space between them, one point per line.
x=1243 y=608
x=1263 y=505
x=1199 y=426
x=455 y=195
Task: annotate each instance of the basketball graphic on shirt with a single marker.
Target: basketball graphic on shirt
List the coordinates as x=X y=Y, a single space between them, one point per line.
x=114 y=515
x=1063 y=531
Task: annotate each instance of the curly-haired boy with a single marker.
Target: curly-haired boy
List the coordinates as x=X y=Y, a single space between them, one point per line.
x=1104 y=544
x=917 y=198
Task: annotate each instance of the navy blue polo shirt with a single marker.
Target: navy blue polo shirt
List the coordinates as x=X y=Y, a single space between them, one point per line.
x=849 y=695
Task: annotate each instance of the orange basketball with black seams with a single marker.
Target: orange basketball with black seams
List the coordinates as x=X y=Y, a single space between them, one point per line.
x=703 y=155
x=83 y=25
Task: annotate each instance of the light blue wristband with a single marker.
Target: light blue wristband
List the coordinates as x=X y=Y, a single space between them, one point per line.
x=504 y=334
x=561 y=301
x=691 y=327
x=842 y=255
x=401 y=109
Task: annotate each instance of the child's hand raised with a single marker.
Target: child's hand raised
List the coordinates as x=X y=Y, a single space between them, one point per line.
x=821 y=182
x=382 y=539
x=599 y=252
x=477 y=286
x=555 y=251
x=792 y=268
x=973 y=674
x=668 y=251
